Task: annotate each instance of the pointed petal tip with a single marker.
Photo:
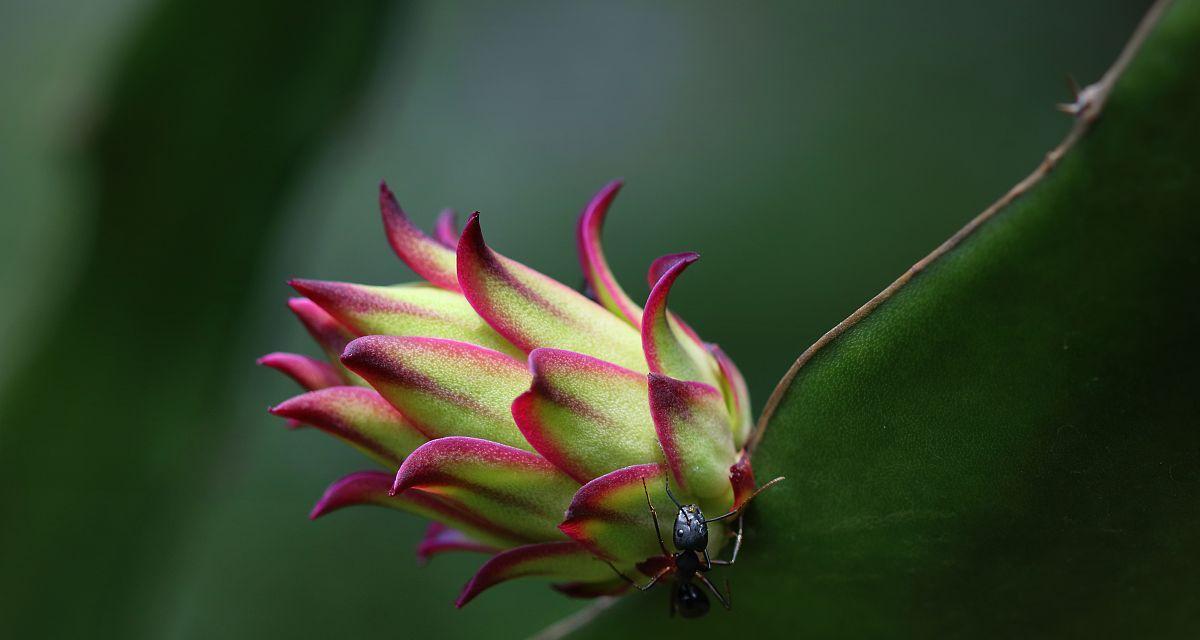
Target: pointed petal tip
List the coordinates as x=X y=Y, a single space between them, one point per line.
x=387 y=199
x=357 y=352
x=425 y=255
x=302 y=286
x=470 y=240
x=307 y=372
x=599 y=277
x=609 y=191
x=292 y=408
x=360 y=487
x=323 y=506
x=301 y=306
x=597 y=207
x=672 y=262
x=322 y=297
x=389 y=208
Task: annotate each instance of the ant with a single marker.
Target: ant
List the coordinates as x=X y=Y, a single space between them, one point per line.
x=690 y=536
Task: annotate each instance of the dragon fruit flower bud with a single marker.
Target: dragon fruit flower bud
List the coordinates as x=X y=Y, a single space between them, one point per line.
x=526 y=420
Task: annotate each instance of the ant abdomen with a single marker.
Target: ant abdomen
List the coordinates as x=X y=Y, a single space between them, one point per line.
x=689 y=600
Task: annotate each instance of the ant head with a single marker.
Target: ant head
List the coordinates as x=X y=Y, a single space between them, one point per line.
x=691 y=531
x=690 y=601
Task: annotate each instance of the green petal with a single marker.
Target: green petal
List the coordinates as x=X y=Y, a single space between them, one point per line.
x=585 y=415
x=737 y=397
x=693 y=428
x=670 y=347
x=358 y=416
x=533 y=310
x=404 y=310
x=559 y=560
x=374 y=488
x=501 y=484
x=444 y=387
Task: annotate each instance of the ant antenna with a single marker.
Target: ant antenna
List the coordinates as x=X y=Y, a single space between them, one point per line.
x=738 y=509
x=667 y=484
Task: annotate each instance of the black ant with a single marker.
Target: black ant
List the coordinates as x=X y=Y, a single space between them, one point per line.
x=690 y=536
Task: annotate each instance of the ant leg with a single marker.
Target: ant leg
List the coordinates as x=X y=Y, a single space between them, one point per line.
x=737 y=545
x=639 y=587
x=708 y=563
x=654 y=514
x=716 y=592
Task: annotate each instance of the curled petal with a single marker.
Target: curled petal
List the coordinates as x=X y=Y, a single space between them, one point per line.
x=359 y=416
x=660 y=266
x=532 y=310
x=563 y=560
x=737 y=397
x=693 y=427
x=591 y=257
x=497 y=482
x=442 y=539
x=444 y=387
x=669 y=348
x=404 y=310
x=446 y=229
x=611 y=517
x=611 y=587
x=307 y=372
x=424 y=255
x=585 y=415
x=374 y=488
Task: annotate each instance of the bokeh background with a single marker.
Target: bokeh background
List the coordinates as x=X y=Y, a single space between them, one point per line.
x=166 y=165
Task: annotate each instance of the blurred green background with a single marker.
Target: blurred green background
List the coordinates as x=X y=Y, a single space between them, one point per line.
x=165 y=166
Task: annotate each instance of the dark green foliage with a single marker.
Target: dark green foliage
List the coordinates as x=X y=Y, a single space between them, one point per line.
x=1008 y=445
x=213 y=113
